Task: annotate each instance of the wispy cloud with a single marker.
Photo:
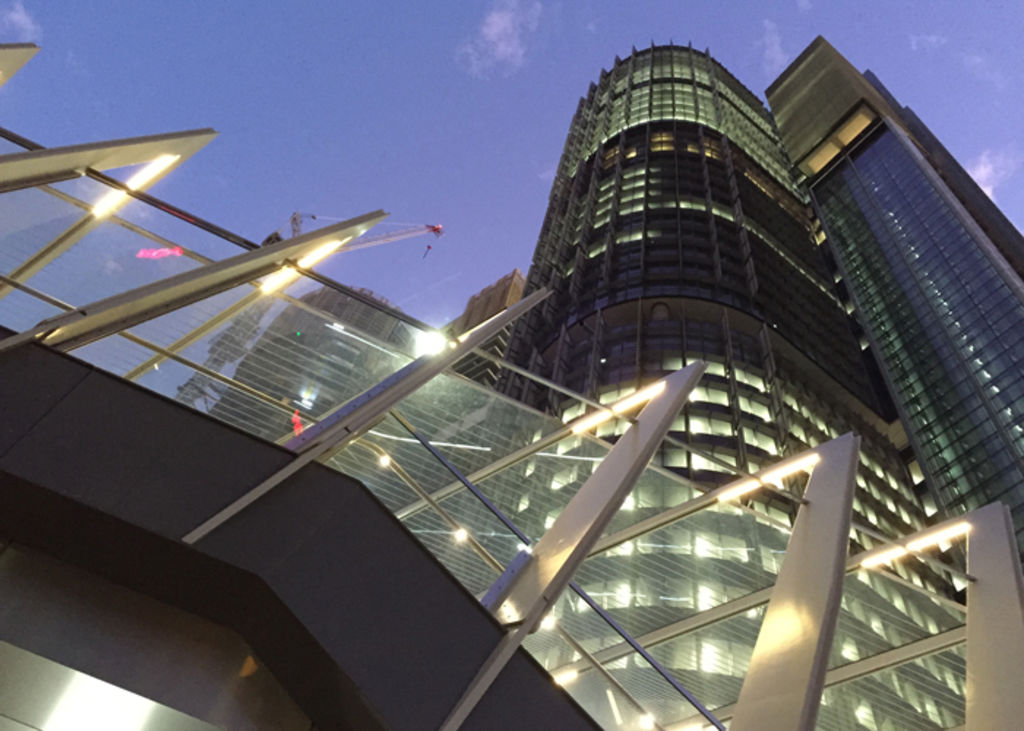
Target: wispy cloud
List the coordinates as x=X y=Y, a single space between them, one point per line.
x=18 y=25
x=926 y=41
x=501 y=41
x=992 y=168
x=983 y=68
x=804 y=5
x=774 y=58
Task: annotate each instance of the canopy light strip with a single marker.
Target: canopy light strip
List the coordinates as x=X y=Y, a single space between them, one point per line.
x=115 y=198
x=599 y=417
x=772 y=475
x=918 y=544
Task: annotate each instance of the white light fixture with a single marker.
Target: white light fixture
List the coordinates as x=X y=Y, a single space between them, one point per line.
x=918 y=544
x=319 y=253
x=940 y=536
x=777 y=473
x=461 y=535
x=278 y=279
x=429 y=342
x=88 y=703
x=113 y=200
x=565 y=677
x=286 y=274
x=548 y=623
x=599 y=417
x=646 y=722
x=384 y=460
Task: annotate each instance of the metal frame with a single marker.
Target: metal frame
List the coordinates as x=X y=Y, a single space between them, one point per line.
x=33 y=167
x=995 y=622
x=361 y=413
x=104 y=317
x=786 y=675
x=535 y=580
x=13 y=56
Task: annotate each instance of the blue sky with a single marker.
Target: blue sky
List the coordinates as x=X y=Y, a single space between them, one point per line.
x=456 y=112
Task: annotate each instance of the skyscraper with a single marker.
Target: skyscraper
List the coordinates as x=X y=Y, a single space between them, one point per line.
x=677 y=230
x=931 y=266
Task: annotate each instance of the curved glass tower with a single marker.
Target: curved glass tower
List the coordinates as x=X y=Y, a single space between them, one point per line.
x=676 y=230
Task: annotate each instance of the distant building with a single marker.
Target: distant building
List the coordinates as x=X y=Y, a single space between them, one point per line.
x=483 y=305
x=300 y=328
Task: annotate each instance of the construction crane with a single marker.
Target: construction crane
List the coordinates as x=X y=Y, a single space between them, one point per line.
x=296 y=219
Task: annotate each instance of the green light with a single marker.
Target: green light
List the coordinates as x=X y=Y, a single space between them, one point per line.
x=298 y=333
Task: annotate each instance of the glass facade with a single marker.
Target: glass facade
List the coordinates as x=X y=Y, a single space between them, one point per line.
x=944 y=312
x=676 y=232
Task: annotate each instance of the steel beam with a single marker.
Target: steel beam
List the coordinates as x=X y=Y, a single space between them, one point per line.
x=995 y=622
x=362 y=412
x=783 y=685
x=104 y=317
x=534 y=581
x=13 y=56
x=33 y=167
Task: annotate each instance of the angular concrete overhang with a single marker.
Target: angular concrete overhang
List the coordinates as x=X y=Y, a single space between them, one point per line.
x=354 y=618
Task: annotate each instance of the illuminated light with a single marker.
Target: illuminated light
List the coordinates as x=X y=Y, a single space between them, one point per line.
x=149 y=172
x=384 y=460
x=589 y=422
x=429 y=343
x=321 y=252
x=89 y=703
x=885 y=556
x=110 y=202
x=614 y=706
x=646 y=721
x=159 y=253
x=524 y=547
x=742 y=488
x=115 y=198
x=297 y=423
x=644 y=394
x=957 y=529
x=278 y=279
x=737 y=490
x=798 y=465
x=548 y=623
x=461 y=535
x=599 y=417
x=565 y=677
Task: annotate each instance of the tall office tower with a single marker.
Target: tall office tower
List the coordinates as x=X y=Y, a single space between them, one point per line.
x=676 y=231
x=932 y=268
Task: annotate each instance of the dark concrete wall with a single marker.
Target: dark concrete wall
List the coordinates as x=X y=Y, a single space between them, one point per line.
x=351 y=614
x=131 y=640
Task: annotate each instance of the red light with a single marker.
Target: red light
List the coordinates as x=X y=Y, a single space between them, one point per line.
x=297 y=423
x=159 y=253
